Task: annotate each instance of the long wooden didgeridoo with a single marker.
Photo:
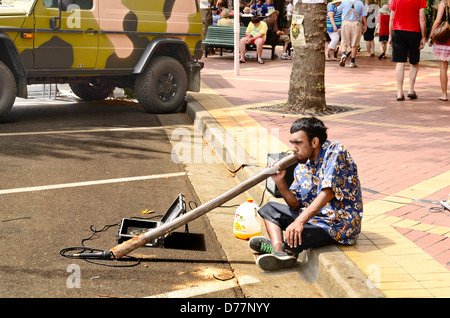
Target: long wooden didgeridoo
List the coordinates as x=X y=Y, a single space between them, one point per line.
x=139 y=241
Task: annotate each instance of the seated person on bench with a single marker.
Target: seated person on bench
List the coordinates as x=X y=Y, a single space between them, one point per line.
x=255 y=34
x=272 y=23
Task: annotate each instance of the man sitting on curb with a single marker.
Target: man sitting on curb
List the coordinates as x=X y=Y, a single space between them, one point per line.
x=324 y=202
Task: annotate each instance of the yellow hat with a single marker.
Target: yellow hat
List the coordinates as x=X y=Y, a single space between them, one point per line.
x=271 y=10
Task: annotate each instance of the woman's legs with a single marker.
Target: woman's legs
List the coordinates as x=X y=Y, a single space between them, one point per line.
x=444 y=79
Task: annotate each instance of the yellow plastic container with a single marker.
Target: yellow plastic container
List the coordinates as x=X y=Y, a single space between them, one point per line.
x=247 y=222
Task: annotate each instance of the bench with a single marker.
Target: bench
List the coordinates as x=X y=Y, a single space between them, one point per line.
x=222 y=37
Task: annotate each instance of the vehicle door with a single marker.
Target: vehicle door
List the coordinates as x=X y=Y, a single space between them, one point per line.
x=66 y=34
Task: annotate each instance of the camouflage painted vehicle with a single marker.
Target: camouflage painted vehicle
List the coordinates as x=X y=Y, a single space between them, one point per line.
x=151 y=47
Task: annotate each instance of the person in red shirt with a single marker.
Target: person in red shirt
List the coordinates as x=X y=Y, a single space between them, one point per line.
x=407 y=27
x=383 y=30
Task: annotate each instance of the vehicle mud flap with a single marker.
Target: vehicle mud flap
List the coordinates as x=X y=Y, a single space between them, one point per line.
x=194 y=76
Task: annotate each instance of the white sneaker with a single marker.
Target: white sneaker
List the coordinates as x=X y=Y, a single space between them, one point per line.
x=285 y=56
x=353 y=65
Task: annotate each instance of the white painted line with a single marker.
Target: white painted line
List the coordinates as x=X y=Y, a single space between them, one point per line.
x=31 y=133
x=207 y=288
x=89 y=183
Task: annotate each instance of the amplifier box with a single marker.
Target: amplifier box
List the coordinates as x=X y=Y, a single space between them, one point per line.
x=289 y=177
x=130 y=228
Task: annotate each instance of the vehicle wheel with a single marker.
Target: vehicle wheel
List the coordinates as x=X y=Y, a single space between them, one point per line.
x=8 y=90
x=162 y=87
x=89 y=91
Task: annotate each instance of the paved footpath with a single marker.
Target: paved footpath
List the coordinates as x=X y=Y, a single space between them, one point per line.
x=401 y=149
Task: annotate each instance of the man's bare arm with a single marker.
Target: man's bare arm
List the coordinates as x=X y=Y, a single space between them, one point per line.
x=295 y=229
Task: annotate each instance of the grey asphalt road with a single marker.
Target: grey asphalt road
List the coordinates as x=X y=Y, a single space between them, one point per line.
x=67 y=168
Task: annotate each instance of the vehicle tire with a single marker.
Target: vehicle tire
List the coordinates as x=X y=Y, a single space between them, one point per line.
x=89 y=91
x=8 y=90
x=162 y=87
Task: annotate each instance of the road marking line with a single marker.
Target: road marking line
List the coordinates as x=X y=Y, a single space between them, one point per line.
x=207 y=288
x=77 y=131
x=89 y=183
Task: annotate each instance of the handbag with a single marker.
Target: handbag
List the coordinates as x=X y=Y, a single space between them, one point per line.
x=441 y=33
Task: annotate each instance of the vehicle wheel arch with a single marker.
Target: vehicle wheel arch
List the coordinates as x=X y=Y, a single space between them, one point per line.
x=10 y=57
x=172 y=47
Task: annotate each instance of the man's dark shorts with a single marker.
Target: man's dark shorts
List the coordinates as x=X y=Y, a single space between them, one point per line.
x=404 y=44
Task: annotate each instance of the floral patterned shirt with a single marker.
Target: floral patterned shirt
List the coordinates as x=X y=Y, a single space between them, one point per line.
x=334 y=168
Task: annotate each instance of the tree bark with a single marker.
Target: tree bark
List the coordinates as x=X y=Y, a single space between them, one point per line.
x=207 y=20
x=307 y=81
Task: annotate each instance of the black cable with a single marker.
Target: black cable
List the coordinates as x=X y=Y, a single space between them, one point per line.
x=433 y=209
x=237 y=205
x=85 y=251
x=189 y=204
x=249 y=165
x=262 y=198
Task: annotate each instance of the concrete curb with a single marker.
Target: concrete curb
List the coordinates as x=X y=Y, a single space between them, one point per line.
x=334 y=274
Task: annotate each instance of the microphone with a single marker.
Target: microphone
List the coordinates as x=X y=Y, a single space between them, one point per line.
x=98 y=255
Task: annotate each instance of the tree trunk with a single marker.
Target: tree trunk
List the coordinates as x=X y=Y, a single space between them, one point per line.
x=207 y=20
x=206 y=12
x=307 y=82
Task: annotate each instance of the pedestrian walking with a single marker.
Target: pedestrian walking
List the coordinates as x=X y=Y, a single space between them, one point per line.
x=383 y=30
x=354 y=23
x=334 y=21
x=441 y=50
x=407 y=27
x=289 y=12
x=373 y=11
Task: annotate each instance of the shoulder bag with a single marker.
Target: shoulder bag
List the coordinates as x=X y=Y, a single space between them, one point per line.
x=442 y=32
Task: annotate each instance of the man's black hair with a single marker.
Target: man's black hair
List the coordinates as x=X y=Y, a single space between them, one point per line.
x=312 y=126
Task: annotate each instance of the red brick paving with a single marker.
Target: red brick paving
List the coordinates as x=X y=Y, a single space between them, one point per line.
x=395 y=144
x=437 y=246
